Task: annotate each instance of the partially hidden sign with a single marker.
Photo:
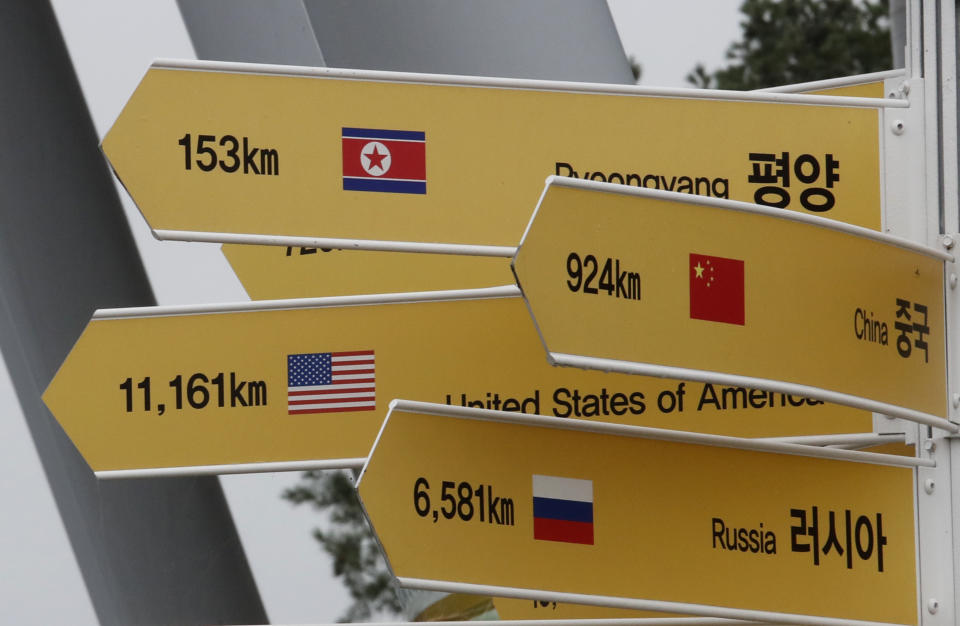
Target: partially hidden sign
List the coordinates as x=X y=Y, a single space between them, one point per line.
x=671 y=285
x=546 y=505
x=166 y=387
x=274 y=272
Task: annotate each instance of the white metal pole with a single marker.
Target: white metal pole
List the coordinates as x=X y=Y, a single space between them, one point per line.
x=931 y=50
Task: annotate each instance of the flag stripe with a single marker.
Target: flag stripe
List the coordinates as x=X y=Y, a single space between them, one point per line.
x=352 y=354
x=345 y=408
x=383 y=179
x=331 y=397
x=374 y=133
x=373 y=184
x=323 y=391
x=562 y=488
x=341 y=403
x=328 y=400
x=568 y=532
x=569 y=510
x=299 y=391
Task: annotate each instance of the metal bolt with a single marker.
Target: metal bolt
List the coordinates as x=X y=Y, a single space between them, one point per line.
x=929 y=445
x=933 y=605
x=953 y=281
x=897 y=127
x=928 y=485
x=947 y=241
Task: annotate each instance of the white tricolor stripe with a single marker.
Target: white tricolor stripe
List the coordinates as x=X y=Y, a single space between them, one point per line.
x=562 y=488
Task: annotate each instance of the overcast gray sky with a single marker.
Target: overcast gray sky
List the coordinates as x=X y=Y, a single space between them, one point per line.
x=112 y=42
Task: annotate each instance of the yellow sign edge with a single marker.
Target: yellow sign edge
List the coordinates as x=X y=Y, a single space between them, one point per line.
x=233 y=468
x=739 y=206
x=855 y=80
x=480 y=293
x=297 y=241
x=775 y=446
x=736 y=380
x=629 y=603
x=264 y=69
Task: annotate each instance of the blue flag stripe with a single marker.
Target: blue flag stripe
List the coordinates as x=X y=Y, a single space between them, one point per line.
x=373 y=133
x=377 y=184
x=567 y=510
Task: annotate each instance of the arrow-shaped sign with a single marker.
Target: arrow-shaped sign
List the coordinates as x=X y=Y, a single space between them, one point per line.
x=661 y=284
x=282 y=381
x=368 y=158
x=487 y=499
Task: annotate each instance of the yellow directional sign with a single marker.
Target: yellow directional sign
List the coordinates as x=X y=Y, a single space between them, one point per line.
x=523 y=609
x=163 y=389
x=677 y=284
x=398 y=157
x=543 y=505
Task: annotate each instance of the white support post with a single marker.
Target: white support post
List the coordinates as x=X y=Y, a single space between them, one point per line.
x=934 y=210
x=935 y=532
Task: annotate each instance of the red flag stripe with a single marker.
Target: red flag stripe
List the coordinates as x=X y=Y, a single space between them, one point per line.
x=561 y=530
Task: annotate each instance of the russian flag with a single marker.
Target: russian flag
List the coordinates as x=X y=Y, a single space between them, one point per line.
x=392 y=161
x=563 y=509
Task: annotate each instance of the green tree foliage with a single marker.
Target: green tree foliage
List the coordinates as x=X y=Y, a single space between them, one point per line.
x=795 y=41
x=635 y=68
x=356 y=556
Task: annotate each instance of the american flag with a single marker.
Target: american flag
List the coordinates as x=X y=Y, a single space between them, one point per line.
x=330 y=382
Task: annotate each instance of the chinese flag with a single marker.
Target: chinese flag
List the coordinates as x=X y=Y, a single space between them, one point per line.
x=716 y=289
